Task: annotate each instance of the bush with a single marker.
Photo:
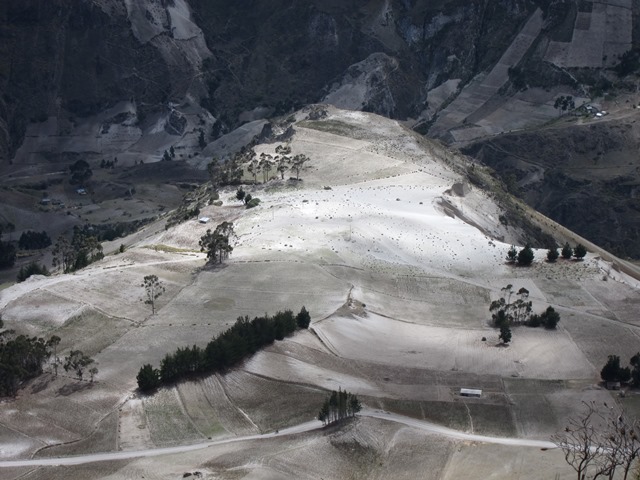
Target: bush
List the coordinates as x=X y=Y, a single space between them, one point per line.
x=550 y=318
x=254 y=202
x=567 y=251
x=512 y=254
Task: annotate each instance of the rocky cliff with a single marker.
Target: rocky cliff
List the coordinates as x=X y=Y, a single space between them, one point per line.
x=70 y=60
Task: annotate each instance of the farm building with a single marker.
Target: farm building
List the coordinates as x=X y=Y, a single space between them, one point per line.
x=470 y=392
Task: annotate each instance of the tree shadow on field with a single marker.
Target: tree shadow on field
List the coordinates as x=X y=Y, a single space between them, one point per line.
x=40 y=383
x=71 y=388
x=213 y=267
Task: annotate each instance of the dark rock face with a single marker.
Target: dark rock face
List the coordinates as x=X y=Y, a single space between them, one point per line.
x=73 y=59
x=286 y=54
x=70 y=59
x=585 y=177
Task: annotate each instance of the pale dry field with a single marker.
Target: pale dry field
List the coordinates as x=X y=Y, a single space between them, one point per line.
x=398 y=286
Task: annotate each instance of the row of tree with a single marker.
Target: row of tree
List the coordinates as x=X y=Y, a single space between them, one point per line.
x=579 y=252
x=231 y=170
x=613 y=372
x=226 y=350
x=525 y=256
x=338 y=406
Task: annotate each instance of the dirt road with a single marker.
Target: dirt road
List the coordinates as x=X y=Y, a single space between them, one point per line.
x=301 y=428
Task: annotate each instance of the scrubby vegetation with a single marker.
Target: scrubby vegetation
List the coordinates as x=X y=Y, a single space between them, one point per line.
x=33 y=268
x=228 y=349
x=338 y=406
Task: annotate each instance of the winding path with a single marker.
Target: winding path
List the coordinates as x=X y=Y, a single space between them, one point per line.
x=301 y=428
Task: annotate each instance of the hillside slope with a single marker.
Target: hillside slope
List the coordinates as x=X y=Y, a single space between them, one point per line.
x=396 y=257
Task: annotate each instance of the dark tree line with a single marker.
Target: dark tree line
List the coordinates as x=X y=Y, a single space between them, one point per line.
x=338 y=406
x=31 y=240
x=226 y=350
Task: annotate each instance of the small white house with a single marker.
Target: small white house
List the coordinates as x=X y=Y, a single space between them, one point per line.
x=204 y=219
x=470 y=392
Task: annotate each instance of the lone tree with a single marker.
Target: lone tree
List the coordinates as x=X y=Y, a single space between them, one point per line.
x=552 y=255
x=303 y=319
x=148 y=378
x=298 y=164
x=579 y=252
x=283 y=160
x=217 y=244
x=525 y=256
x=153 y=288
x=567 y=251
x=80 y=172
x=512 y=254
